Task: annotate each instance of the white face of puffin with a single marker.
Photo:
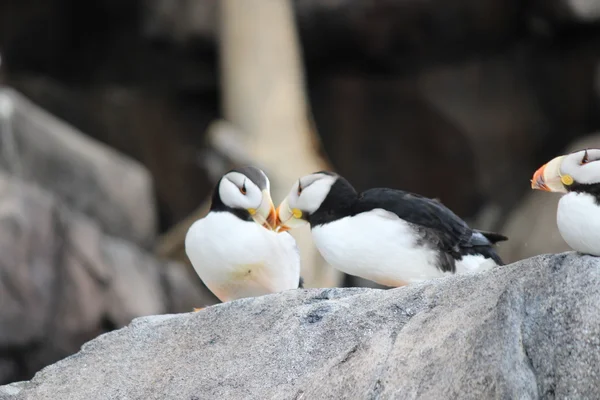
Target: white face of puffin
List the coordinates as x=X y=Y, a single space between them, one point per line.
x=305 y=197
x=238 y=191
x=562 y=172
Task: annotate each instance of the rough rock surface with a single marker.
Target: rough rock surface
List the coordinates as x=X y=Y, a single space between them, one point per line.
x=63 y=281
x=526 y=330
x=88 y=176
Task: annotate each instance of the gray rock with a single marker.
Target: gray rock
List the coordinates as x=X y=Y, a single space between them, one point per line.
x=526 y=330
x=63 y=282
x=88 y=176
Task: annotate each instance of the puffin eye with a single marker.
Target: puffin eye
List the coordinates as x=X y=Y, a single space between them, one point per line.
x=243 y=188
x=585 y=158
x=299 y=188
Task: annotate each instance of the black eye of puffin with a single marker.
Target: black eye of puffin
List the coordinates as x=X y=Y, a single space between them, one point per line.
x=585 y=158
x=243 y=188
x=299 y=188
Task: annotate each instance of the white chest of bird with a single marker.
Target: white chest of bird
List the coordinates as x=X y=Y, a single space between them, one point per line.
x=578 y=220
x=236 y=258
x=376 y=245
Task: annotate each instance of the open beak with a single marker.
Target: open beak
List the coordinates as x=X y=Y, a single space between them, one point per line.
x=288 y=218
x=265 y=214
x=548 y=177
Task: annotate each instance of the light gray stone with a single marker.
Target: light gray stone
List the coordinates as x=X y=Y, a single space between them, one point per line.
x=527 y=330
x=88 y=176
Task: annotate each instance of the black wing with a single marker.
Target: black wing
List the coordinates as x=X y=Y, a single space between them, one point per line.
x=435 y=222
x=418 y=210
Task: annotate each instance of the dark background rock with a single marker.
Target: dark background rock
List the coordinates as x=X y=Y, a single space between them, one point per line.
x=63 y=281
x=482 y=90
x=89 y=177
x=527 y=330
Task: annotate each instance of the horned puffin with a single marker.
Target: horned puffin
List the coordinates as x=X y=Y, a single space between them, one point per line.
x=577 y=177
x=234 y=249
x=385 y=235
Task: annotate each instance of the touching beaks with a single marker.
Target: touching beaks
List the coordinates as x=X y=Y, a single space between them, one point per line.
x=548 y=177
x=281 y=226
x=265 y=215
x=287 y=218
x=271 y=222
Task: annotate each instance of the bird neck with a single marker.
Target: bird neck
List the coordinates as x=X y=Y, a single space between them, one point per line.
x=338 y=204
x=591 y=189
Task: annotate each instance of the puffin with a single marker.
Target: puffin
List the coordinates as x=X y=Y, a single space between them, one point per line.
x=577 y=177
x=234 y=249
x=388 y=236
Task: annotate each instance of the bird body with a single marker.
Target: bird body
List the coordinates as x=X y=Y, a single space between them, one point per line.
x=234 y=249
x=379 y=246
x=389 y=236
x=578 y=221
x=237 y=258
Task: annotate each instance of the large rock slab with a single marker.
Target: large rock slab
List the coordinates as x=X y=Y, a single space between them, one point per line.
x=527 y=330
x=63 y=281
x=88 y=176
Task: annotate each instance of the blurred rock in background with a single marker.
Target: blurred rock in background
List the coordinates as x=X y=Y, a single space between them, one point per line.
x=458 y=100
x=75 y=217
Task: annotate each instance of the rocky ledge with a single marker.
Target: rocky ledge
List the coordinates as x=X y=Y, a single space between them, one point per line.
x=527 y=330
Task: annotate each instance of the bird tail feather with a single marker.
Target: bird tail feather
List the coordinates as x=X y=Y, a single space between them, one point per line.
x=493 y=237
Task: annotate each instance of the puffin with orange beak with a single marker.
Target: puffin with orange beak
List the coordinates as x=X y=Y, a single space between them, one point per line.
x=577 y=177
x=388 y=236
x=234 y=249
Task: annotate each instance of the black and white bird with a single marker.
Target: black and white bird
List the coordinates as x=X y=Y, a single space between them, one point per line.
x=577 y=176
x=388 y=236
x=234 y=249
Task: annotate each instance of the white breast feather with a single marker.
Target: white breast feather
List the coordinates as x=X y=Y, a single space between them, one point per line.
x=376 y=245
x=379 y=246
x=578 y=220
x=236 y=259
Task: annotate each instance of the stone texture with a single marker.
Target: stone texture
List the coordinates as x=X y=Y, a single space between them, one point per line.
x=531 y=226
x=526 y=330
x=63 y=281
x=89 y=177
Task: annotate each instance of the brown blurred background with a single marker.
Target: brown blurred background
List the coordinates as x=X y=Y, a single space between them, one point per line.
x=460 y=100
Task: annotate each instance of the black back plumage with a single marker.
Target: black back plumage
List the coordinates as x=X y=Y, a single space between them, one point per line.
x=435 y=224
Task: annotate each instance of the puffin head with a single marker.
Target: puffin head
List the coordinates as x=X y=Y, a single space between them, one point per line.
x=246 y=191
x=570 y=172
x=306 y=197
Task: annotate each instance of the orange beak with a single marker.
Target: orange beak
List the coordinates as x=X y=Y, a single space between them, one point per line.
x=549 y=178
x=538 y=182
x=271 y=218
